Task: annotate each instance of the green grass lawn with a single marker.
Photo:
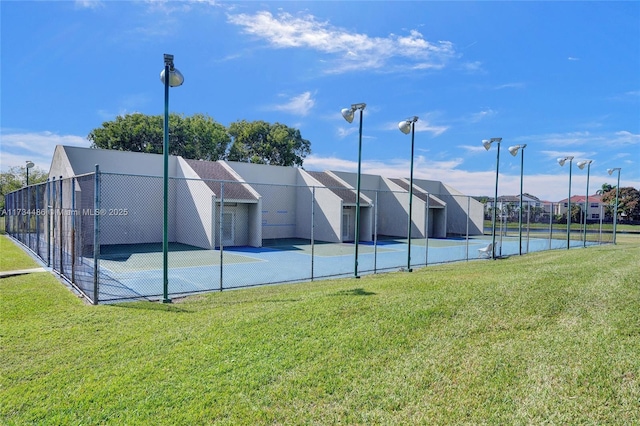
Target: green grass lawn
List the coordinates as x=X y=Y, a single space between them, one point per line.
x=550 y=337
x=13 y=257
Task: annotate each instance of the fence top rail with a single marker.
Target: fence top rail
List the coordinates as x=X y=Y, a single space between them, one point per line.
x=71 y=177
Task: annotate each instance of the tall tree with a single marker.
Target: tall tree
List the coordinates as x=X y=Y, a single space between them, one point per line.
x=16 y=178
x=604 y=189
x=264 y=143
x=196 y=137
x=628 y=201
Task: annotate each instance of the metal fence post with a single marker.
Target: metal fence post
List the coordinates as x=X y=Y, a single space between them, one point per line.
x=550 y=225
x=468 y=216
x=38 y=214
x=73 y=230
x=220 y=233
x=313 y=224
x=54 y=227
x=375 y=234
x=28 y=190
x=23 y=222
x=49 y=228
x=96 y=236
x=528 y=223
x=61 y=234
x=426 y=243
x=600 y=231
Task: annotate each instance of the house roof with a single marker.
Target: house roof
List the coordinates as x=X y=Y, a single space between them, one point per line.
x=581 y=199
x=213 y=173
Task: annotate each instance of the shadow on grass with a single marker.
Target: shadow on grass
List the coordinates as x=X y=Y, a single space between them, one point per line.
x=153 y=306
x=354 y=292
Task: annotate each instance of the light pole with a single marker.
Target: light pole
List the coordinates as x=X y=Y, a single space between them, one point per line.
x=615 y=212
x=561 y=161
x=514 y=151
x=581 y=165
x=174 y=79
x=347 y=113
x=28 y=166
x=405 y=127
x=487 y=145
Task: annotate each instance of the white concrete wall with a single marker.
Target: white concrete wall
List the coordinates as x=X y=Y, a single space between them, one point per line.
x=142 y=198
x=193 y=210
x=327 y=210
x=83 y=160
x=262 y=173
x=458 y=205
x=276 y=186
x=60 y=165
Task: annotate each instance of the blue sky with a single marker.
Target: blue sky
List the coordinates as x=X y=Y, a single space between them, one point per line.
x=561 y=77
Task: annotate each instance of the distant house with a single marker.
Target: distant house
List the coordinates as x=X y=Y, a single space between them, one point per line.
x=595 y=206
x=213 y=203
x=508 y=204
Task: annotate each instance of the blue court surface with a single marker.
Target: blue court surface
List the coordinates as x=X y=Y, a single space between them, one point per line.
x=140 y=275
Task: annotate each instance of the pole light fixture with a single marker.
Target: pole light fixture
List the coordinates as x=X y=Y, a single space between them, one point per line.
x=28 y=166
x=406 y=126
x=615 y=212
x=561 y=161
x=487 y=145
x=581 y=165
x=513 y=150
x=348 y=113
x=175 y=79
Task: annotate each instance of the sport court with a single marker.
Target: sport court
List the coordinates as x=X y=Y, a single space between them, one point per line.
x=135 y=271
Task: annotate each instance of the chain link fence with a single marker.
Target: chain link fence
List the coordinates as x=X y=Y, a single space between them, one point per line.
x=103 y=232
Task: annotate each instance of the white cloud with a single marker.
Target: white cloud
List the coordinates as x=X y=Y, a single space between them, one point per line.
x=425 y=126
x=479 y=116
x=37 y=147
x=477 y=183
x=351 y=51
x=345 y=131
x=561 y=154
x=89 y=4
x=472 y=67
x=472 y=148
x=626 y=138
x=615 y=139
x=420 y=126
x=510 y=86
x=565 y=139
x=297 y=105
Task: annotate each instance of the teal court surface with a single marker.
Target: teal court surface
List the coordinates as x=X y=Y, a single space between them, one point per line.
x=136 y=271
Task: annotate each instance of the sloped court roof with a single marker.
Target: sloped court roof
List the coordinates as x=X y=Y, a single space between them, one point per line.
x=213 y=172
x=433 y=201
x=347 y=194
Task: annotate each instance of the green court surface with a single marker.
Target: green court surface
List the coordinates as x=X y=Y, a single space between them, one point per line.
x=122 y=258
x=321 y=248
x=144 y=257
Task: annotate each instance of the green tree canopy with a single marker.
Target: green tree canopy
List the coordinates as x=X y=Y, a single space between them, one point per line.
x=16 y=178
x=264 y=143
x=197 y=137
x=628 y=201
x=604 y=189
x=200 y=137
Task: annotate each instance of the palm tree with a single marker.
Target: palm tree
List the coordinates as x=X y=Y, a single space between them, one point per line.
x=605 y=188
